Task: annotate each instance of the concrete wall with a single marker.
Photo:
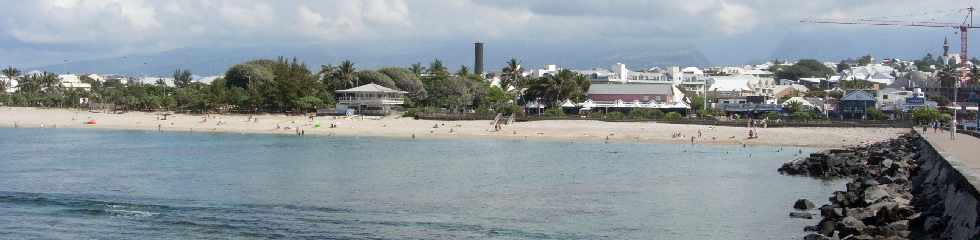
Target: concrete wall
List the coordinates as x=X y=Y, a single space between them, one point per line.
x=947 y=200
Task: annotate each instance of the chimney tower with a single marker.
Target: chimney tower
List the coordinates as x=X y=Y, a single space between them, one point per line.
x=478 y=61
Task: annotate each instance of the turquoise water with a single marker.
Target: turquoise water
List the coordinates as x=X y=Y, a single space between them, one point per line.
x=85 y=184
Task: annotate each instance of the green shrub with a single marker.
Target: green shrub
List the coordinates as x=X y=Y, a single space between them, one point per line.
x=410 y=112
x=615 y=116
x=925 y=115
x=946 y=118
x=874 y=114
x=803 y=116
x=772 y=115
x=554 y=112
x=646 y=113
x=673 y=116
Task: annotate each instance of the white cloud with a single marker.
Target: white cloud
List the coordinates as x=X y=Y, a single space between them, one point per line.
x=112 y=27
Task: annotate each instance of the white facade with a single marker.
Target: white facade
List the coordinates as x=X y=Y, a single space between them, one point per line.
x=72 y=81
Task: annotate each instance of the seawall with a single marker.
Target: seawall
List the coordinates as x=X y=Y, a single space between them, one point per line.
x=946 y=195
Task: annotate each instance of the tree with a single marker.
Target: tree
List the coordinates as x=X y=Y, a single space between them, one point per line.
x=346 y=75
x=553 y=89
x=11 y=73
x=864 y=60
x=841 y=66
x=406 y=80
x=369 y=76
x=802 y=69
x=417 y=69
x=463 y=71
x=182 y=78
x=512 y=75
x=436 y=68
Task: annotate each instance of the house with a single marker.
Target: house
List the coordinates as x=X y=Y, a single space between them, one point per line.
x=72 y=81
x=628 y=96
x=855 y=103
x=369 y=99
x=730 y=86
x=897 y=100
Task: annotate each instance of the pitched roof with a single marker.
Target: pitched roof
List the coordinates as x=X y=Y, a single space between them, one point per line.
x=858 y=96
x=632 y=89
x=370 y=87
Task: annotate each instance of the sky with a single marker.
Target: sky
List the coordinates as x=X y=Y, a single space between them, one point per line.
x=41 y=33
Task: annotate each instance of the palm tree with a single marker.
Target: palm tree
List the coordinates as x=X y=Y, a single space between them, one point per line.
x=511 y=75
x=463 y=71
x=417 y=69
x=347 y=74
x=436 y=68
x=11 y=73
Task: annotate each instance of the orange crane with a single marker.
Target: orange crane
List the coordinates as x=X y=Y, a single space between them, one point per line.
x=963 y=28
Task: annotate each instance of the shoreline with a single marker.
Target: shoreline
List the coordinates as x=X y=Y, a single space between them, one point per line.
x=407 y=128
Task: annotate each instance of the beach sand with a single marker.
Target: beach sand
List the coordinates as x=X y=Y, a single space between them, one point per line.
x=561 y=130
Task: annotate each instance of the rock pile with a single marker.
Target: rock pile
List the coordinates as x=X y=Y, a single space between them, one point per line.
x=877 y=203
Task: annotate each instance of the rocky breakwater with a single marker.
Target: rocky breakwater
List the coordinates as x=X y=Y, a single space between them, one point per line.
x=877 y=202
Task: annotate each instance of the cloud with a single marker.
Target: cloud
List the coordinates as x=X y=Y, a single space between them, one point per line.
x=120 y=27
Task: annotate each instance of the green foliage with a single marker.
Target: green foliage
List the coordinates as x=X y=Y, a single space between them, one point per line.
x=615 y=116
x=925 y=115
x=874 y=114
x=308 y=103
x=864 y=60
x=182 y=78
x=946 y=118
x=803 y=116
x=672 y=116
x=512 y=75
x=856 y=84
x=408 y=81
x=802 y=69
x=554 y=89
x=369 y=76
x=772 y=115
x=554 y=112
x=941 y=100
x=646 y=113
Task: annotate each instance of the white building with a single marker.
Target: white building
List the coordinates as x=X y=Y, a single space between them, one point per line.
x=72 y=81
x=549 y=69
x=876 y=73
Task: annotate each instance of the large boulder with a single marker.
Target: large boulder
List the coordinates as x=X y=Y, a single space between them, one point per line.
x=874 y=193
x=851 y=226
x=803 y=204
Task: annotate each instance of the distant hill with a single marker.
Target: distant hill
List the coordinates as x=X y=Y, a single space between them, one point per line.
x=215 y=60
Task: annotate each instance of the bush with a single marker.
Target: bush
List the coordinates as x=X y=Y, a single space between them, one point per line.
x=874 y=114
x=615 y=116
x=554 y=112
x=803 y=116
x=772 y=115
x=646 y=113
x=946 y=118
x=925 y=115
x=410 y=112
x=673 y=116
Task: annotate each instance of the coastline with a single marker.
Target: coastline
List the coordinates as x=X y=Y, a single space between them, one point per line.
x=397 y=127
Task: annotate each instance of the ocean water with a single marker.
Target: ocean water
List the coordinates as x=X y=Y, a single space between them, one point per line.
x=106 y=184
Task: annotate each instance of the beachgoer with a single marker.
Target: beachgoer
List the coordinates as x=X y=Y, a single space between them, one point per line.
x=692 y=139
x=699 y=133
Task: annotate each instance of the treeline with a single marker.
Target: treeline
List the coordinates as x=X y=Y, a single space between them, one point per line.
x=288 y=85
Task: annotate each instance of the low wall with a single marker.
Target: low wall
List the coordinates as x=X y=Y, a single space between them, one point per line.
x=947 y=200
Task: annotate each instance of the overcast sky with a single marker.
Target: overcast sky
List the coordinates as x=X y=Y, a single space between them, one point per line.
x=42 y=32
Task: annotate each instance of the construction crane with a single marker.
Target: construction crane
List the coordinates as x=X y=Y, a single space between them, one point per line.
x=963 y=28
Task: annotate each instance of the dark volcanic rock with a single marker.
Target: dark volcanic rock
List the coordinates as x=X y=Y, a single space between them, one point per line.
x=804 y=215
x=803 y=204
x=876 y=202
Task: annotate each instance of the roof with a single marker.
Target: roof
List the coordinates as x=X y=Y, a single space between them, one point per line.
x=631 y=89
x=797 y=87
x=731 y=83
x=858 y=96
x=370 y=87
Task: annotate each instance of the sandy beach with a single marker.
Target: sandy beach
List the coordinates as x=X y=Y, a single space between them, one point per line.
x=567 y=130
